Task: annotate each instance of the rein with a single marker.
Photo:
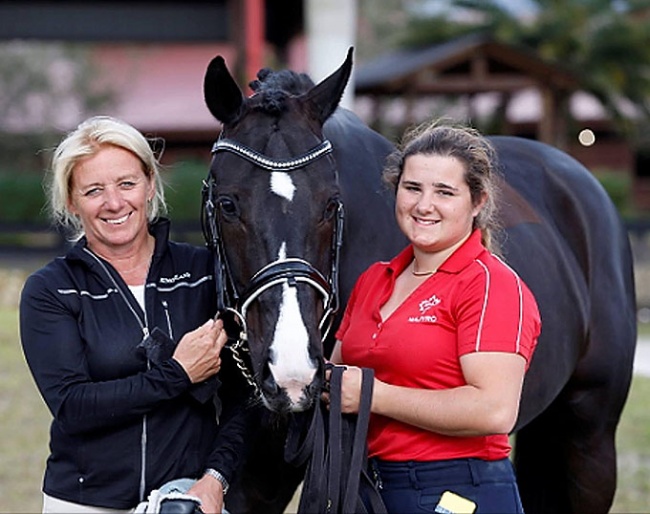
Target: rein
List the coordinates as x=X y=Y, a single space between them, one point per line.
x=334 y=447
x=290 y=271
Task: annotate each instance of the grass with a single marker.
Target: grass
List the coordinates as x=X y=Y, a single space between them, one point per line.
x=25 y=425
x=644 y=329
x=633 y=446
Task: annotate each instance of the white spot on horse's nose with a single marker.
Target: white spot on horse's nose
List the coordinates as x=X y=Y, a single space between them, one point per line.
x=282 y=185
x=292 y=368
x=282 y=253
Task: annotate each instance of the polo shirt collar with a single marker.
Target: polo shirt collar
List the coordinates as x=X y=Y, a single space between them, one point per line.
x=456 y=262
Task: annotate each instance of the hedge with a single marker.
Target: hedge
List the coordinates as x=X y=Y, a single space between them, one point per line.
x=22 y=196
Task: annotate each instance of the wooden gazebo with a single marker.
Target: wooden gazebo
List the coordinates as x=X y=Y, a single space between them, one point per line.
x=465 y=67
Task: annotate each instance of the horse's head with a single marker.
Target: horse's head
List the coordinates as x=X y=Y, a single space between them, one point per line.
x=273 y=215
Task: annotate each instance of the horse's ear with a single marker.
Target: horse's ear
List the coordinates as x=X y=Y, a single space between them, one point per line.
x=324 y=98
x=222 y=94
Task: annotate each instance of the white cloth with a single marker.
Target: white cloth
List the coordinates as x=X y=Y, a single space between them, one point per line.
x=156 y=497
x=53 y=505
x=138 y=292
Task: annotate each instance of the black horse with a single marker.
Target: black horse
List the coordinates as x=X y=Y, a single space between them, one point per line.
x=294 y=206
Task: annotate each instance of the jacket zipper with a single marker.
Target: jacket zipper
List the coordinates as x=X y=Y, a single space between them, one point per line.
x=169 y=321
x=145 y=333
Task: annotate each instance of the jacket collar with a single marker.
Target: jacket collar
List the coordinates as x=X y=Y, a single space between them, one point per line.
x=159 y=229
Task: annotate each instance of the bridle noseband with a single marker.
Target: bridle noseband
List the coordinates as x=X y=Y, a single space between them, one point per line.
x=289 y=271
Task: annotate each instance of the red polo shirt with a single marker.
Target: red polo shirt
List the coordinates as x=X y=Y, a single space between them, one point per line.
x=474 y=302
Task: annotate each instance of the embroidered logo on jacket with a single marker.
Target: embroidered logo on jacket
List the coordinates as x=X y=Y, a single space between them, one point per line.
x=175 y=278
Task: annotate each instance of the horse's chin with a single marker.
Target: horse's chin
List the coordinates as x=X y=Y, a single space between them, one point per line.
x=283 y=401
x=281 y=404
x=290 y=395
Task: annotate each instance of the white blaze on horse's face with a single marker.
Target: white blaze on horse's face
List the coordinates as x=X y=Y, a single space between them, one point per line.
x=282 y=185
x=291 y=366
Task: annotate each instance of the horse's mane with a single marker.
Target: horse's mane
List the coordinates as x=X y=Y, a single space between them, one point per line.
x=273 y=87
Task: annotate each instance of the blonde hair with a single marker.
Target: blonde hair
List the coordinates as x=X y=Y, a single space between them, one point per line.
x=470 y=147
x=85 y=141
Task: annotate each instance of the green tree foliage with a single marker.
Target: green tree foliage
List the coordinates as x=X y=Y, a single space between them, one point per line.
x=606 y=43
x=43 y=86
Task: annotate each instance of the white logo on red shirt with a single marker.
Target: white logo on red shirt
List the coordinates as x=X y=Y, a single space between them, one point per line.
x=423 y=319
x=425 y=305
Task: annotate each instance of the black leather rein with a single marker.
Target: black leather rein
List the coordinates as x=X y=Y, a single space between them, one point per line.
x=334 y=447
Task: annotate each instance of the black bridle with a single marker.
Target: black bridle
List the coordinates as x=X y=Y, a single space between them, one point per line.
x=290 y=271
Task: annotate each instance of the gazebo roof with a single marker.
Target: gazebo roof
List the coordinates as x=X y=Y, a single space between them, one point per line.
x=470 y=64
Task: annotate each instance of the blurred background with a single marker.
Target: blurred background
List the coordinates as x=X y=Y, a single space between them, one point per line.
x=572 y=73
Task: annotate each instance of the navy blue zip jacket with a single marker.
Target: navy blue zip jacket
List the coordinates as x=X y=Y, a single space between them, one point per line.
x=126 y=417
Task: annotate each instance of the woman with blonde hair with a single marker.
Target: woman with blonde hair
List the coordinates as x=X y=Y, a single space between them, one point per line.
x=120 y=338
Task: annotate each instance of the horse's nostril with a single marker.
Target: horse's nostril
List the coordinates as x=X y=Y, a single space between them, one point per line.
x=314 y=389
x=269 y=384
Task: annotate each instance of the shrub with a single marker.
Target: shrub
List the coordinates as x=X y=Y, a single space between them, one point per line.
x=183 y=182
x=618 y=185
x=22 y=198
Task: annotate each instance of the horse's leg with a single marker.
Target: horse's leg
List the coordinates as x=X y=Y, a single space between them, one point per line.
x=266 y=484
x=539 y=456
x=566 y=458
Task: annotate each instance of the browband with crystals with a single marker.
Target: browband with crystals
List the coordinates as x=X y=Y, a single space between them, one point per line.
x=227 y=145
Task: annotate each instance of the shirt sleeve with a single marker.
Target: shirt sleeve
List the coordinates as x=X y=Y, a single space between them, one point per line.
x=345 y=321
x=496 y=312
x=240 y=417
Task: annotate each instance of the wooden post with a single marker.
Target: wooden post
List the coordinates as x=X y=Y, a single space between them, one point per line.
x=331 y=30
x=546 y=127
x=253 y=38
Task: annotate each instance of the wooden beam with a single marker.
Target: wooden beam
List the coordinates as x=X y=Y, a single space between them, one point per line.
x=427 y=84
x=253 y=37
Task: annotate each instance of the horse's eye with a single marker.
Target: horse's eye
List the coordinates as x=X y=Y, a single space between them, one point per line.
x=228 y=207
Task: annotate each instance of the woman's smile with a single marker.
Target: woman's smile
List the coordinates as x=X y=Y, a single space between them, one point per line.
x=426 y=222
x=111 y=195
x=118 y=221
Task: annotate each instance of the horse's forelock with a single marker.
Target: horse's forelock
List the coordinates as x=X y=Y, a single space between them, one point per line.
x=288 y=81
x=271 y=101
x=273 y=88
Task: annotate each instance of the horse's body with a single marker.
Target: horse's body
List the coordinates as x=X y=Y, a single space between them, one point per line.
x=562 y=235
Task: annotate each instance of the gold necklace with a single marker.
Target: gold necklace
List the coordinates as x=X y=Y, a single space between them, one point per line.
x=421 y=273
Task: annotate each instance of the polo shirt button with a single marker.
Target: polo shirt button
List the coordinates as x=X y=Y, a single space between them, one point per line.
x=374 y=336
x=81 y=480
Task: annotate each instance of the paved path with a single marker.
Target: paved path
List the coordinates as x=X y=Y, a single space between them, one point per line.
x=642 y=357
